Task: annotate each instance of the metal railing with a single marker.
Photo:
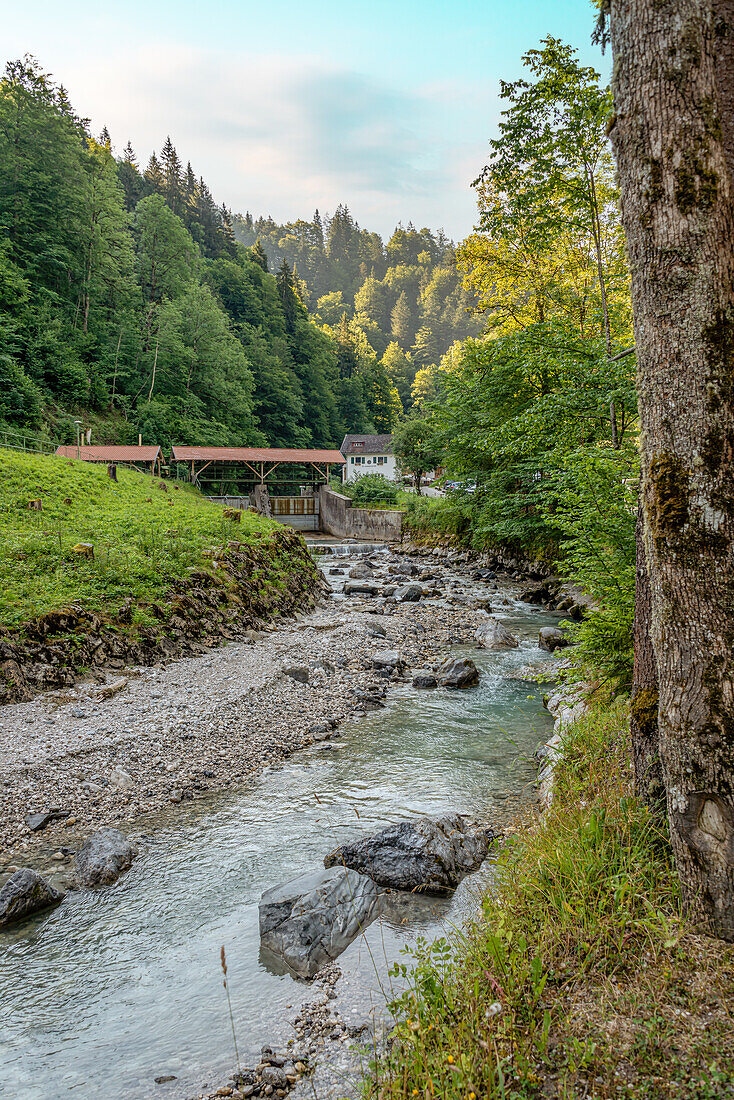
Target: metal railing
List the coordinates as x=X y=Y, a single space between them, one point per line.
x=16 y=441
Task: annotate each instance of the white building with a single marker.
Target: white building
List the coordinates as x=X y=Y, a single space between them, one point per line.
x=368 y=454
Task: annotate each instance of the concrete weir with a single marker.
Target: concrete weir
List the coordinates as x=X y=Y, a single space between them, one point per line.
x=327 y=512
x=338 y=516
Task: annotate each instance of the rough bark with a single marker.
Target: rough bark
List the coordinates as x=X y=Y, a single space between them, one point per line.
x=644 y=701
x=673 y=77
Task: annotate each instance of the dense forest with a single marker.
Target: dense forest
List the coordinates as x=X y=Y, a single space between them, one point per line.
x=129 y=296
x=540 y=411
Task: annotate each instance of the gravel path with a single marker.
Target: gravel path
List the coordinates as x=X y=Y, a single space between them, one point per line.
x=107 y=753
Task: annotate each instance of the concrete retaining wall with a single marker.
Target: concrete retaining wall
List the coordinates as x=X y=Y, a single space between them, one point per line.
x=339 y=517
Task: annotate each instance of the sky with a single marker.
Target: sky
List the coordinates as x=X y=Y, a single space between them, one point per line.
x=284 y=106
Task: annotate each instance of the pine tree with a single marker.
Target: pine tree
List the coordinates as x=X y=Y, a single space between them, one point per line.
x=105 y=140
x=258 y=256
x=288 y=296
x=172 y=176
x=227 y=230
x=425 y=348
x=154 y=174
x=401 y=321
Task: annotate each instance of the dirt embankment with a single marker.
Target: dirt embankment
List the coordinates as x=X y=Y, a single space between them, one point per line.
x=250 y=583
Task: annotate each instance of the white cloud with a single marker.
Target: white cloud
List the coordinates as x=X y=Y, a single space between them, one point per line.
x=282 y=135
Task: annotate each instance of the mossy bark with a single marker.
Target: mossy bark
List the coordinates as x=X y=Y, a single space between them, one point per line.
x=644 y=702
x=672 y=134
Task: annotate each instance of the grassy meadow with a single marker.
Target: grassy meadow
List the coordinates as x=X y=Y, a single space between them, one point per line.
x=145 y=532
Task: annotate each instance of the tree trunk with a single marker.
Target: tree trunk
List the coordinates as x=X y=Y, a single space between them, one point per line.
x=673 y=73
x=644 y=701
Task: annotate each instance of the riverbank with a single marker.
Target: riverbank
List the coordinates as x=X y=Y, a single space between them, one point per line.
x=580 y=975
x=98 y=574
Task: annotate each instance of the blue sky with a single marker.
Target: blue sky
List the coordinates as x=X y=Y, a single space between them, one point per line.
x=284 y=106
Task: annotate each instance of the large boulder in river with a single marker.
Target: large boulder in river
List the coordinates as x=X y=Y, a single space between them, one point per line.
x=550 y=638
x=493 y=635
x=310 y=920
x=430 y=856
x=25 y=893
x=457 y=672
x=103 y=857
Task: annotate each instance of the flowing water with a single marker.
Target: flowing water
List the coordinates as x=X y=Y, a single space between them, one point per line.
x=118 y=986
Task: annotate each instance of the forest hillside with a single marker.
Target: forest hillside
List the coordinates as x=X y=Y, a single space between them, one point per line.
x=129 y=296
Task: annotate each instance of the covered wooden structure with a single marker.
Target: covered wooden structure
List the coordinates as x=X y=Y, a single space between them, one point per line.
x=261 y=462
x=147 y=459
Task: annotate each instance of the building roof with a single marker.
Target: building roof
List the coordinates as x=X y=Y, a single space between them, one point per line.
x=132 y=453
x=368 y=444
x=255 y=454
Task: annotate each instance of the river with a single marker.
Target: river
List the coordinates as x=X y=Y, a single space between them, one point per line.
x=119 y=986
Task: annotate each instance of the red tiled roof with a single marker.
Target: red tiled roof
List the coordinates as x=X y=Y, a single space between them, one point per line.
x=132 y=453
x=254 y=454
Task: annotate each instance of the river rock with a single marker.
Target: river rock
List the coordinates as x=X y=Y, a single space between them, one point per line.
x=424 y=678
x=25 y=893
x=408 y=593
x=430 y=856
x=360 y=572
x=121 y=779
x=458 y=672
x=103 y=857
x=37 y=822
x=538 y=594
x=550 y=638
x=311 y=919
x=298 y=674
x=493 y=635
x=388 y=659
x=360 y=588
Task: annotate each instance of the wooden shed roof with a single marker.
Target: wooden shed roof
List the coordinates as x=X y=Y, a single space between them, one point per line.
x=132 y=453
x=255 y=454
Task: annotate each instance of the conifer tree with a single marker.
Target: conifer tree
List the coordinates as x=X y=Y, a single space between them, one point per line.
x=172 y=176
x=401 y=321
x=258 y=256
x=154 y=174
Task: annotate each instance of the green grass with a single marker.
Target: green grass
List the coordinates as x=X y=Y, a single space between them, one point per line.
x=146 y=534
x=437 y=518
x=580 y=976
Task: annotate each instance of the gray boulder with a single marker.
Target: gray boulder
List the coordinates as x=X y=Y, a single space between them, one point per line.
x=360 y=588
x=409 y=593
x=550 y=638
x=493 y=635
x=311 y=919
x=403 y=568
x=388 y=659
x=458 y=672
x=103 y=857
x=360 y=572
x=424 y=678
x=429 y=856
x=25 y=893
